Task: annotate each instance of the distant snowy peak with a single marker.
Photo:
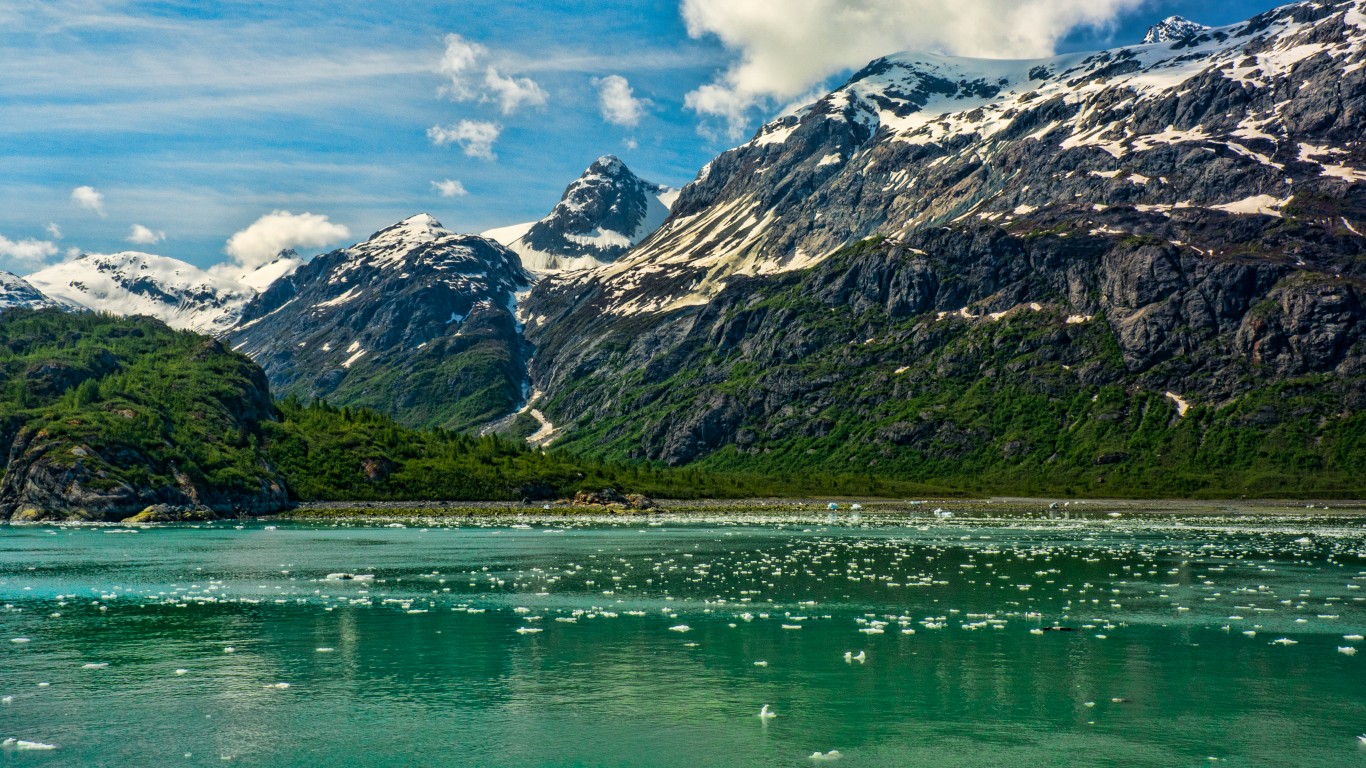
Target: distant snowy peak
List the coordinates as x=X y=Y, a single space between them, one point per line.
x=1174 y=29
x=16 y=292
x=602 y=215
x=179 y=294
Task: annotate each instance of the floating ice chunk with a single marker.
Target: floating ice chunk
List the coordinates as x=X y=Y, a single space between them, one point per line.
x=527 y=630
x=229 y=649
x=350 y=577
x=7 y=700
x=279 y=686
x=95 y=665
x=20 y=640
x=27 y=746
x=1353 y=638
x=1347 y=650
x=325 y=650
x=681 y=628
x=825 y=757
x=1284 y=641
x=182 y=671
x=761 y=663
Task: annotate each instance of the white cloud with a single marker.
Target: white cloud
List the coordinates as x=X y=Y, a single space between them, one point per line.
x=26 y=254
x=53 y=230
x=261 y=242
x=786 y=48
x=618 y=102
x=460 y=64
x=450 y=188
x=512 y=93
x=89 y=198
x=470 y=78
x=143 y=236
x=475 y=137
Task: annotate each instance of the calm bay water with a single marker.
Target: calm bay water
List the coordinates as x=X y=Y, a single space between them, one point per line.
x=639 y=642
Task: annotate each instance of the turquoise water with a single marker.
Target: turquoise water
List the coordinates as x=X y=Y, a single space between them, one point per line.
x=201 y=629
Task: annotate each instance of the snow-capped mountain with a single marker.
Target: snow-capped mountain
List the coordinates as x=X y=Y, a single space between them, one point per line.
x=1174 y=29
x=602 y=215
x=175 y=292
x=183 y=296
x=1176 y=222
x=1235 y=119
x=16 y=292
x=416 y=321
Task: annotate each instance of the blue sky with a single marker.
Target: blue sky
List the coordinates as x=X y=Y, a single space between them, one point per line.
x=195 y=119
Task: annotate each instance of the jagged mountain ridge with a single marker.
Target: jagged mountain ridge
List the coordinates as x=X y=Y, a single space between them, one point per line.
x=601 y=216
x=1153 y=229
x=180 y=294
x=914 y=141
x=416 y=321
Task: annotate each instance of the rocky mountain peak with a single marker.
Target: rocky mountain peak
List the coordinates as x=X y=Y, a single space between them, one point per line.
x=601 y=216
x=609 y=165
x=1173 y=29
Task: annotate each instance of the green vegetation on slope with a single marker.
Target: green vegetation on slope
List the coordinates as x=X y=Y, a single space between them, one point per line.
x=335 y=454
x=1025 y=404
x=118 y=413
x=111 y=415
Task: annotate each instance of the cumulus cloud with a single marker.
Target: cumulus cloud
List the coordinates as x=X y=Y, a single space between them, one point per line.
x=144 y=236
x=53 y=230
x=450 y=188
x=470 y=78
x=618 y=101
x=261 y=242
x=89 y=198
x=512 y=93
x=460 y=65
x=26 y=254
x=475 y=137
x=786 y=48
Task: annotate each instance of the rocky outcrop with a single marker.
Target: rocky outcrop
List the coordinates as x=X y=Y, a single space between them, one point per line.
x=107 y=419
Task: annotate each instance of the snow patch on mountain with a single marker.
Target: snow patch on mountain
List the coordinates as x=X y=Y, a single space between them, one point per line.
x=17 y=292
x=508 y=235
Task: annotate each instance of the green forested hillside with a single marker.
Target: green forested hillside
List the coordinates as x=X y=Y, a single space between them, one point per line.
x=102 y=417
